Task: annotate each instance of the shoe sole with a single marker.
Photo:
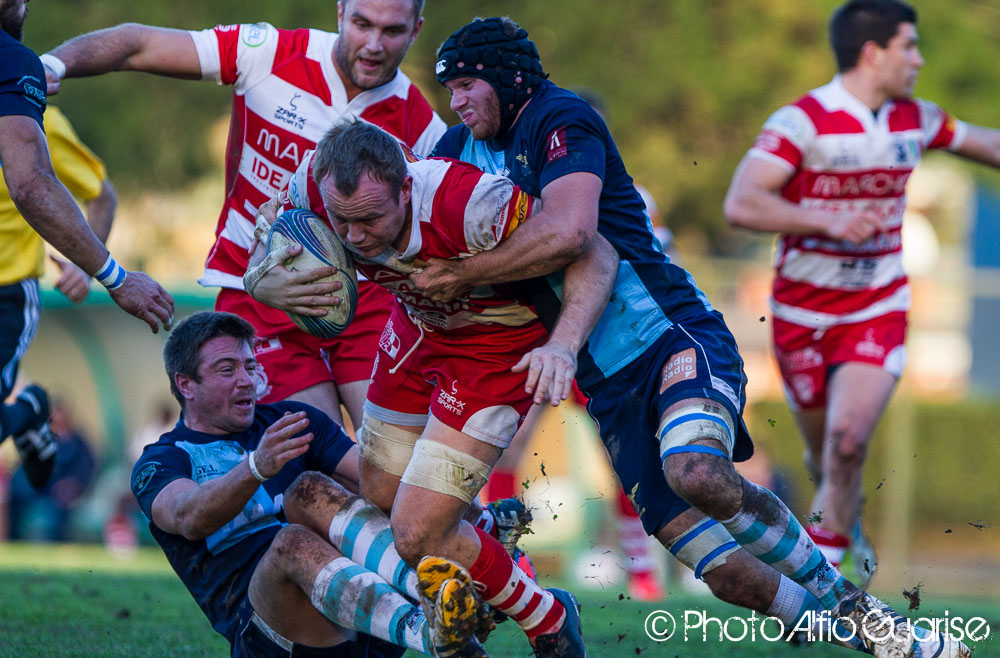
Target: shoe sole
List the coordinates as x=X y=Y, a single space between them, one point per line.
x=432 y=574
x=456 y=618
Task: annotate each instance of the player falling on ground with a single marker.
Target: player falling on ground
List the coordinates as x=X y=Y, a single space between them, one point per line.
x=280 y=558
x=828 y=174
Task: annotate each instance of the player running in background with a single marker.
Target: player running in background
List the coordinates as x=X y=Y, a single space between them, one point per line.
x=280 y=558
x=662 y=370
x=36 y=204
x=463 y=361
x=828 y=173
x=289 y=87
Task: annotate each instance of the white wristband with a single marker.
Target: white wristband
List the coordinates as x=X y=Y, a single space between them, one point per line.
x=253 y=467
x=111 y=275
x=55 y=64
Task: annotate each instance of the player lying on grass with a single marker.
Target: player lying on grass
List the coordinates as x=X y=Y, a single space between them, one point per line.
x=449 y=387
x=280 y=558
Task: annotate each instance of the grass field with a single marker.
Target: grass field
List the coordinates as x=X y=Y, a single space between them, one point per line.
x=79 y=601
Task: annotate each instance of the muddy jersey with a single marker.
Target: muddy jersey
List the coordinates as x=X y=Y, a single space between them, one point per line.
x=217 y=569
x=457 y=211
x=286 y=94
x=843 y=157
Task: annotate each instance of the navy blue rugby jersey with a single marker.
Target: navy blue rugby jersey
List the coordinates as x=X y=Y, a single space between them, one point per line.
x=22 y=80
x=558 y=133
x=217 y=570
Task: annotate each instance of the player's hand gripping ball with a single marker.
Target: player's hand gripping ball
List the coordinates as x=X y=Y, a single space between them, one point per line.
x=320 y=248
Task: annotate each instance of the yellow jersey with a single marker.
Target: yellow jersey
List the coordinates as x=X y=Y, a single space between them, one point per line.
x=22 y=253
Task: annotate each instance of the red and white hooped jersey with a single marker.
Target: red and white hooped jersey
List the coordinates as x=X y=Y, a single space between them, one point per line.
x=845 y=158
x=457 y=211
x=286 y=94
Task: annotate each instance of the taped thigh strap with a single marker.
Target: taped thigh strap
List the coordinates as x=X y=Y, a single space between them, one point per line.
x=385 y=446
x=704 y=546
x=697 y=422
x=443 y=469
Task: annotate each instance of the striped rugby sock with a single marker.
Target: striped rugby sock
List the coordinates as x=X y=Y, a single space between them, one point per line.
x=766 y=528
x=361 y=531
x=507 y=588
x=350 y=595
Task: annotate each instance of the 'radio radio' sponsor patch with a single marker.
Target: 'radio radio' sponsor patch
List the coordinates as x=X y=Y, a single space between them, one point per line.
x=680 y=367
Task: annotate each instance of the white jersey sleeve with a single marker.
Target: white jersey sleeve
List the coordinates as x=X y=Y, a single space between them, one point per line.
x=238 y=55
x=785 y=137
x=938 y=129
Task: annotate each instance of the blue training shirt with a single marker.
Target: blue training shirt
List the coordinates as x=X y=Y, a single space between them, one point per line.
x=22 y=80
x=217 y=570
x=558 y=133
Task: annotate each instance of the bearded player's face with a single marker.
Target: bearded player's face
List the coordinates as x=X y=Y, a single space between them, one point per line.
x=12 y=15
x=373 y=40
x=477 y=105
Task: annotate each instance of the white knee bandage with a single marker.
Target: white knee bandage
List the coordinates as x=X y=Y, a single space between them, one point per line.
x=704 y=546
x=386 y=446
x=694 y=423
x=437 y=467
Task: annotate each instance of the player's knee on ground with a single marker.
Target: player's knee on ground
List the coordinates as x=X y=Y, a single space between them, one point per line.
x=310 y=490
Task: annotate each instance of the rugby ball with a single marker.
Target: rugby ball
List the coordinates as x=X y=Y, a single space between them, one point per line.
x=320 y=248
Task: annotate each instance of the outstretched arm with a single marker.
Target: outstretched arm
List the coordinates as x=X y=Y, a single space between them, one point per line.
x=48 y=207
x=127 y=47
x=555 y=236
x=586 y=288
x=754 y=201
x=982 y=145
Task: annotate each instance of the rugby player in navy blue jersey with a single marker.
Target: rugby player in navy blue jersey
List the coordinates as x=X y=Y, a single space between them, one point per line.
x=661 y=368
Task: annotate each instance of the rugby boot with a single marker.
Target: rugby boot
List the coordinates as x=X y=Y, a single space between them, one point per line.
x=567 y=642
x=887 y=634
x=453 y=630
x=512 y=520
x=37 y=445
x=432 y=573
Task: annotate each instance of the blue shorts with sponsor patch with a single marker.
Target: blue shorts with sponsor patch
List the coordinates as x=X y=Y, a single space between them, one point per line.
x=695 y=358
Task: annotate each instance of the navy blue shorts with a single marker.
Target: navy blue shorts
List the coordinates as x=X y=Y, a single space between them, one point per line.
x=254 y=641
x=628 y=407
x=19 y=310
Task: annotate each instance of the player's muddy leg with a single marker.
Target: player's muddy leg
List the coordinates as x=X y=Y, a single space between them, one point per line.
x=355 y=526
x=303 y=583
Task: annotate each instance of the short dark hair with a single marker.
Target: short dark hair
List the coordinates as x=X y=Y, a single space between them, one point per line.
x=182 y=352
x=860 y=21
x=353 y=148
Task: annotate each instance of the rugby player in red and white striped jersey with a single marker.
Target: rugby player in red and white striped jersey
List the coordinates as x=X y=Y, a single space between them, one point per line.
x=828 y=174
x=289 y=87
x=452 y=380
